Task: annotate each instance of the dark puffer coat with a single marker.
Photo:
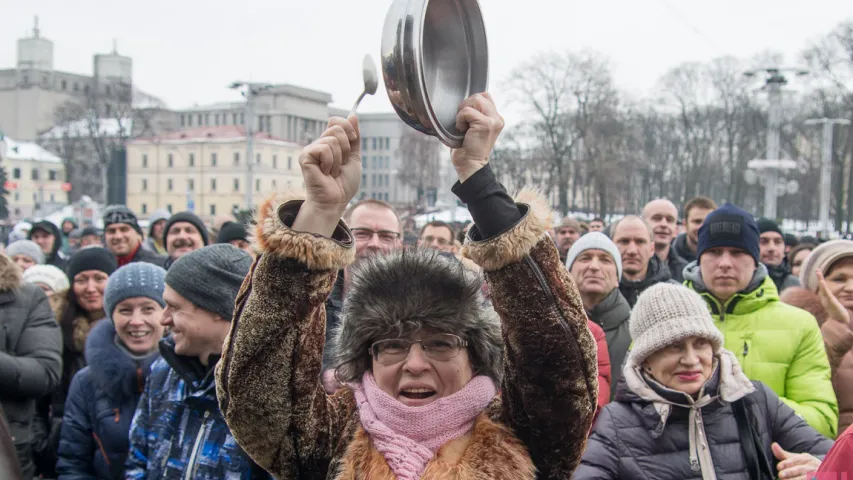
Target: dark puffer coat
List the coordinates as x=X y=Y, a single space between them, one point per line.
x=646 y=432
x=657 y=273
x=30 y=346
x=100 y=405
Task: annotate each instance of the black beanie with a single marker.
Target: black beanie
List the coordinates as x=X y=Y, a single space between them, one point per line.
x=190 y=218
x=231 y=231
x=91 y=258
x=766 y=225
x=729 y=226
x=121 y=214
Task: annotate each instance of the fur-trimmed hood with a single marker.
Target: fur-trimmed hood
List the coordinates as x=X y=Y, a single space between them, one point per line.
x=115 y=374
x=10 y=274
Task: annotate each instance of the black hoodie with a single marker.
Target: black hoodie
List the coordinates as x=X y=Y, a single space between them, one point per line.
x=54 y=258
x=657 y=273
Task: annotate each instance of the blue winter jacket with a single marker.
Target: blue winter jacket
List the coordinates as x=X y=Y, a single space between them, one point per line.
x=100 y=405
x=178 y=431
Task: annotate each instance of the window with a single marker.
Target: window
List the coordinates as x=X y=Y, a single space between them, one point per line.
x=17 y=196
x=52 y=198
x=169 y=185
x=386 y=180
x=16 y=174
x=258 y=159
x=199 y=120
x=171 y=161
x=212 y=184
x=365 y=161
x=234 y=117
x=290 y=163
x=169 y=207
x=242 y=119
x=183 y=120
x=144 y=208
x=386 y=196
x=192 y=160
x=212 y=159
x=364 y=143
x=191 y=185
x=236 y=159
x=212 y=209
x=374 y=143
x=64 y=85
x=189 y=120
x=273 y=184
x=144 y=184
x=35 y=174
x=236 y=184
x=76 y=87
x=373 y=180
x=216 y=119
x=363 y=179
x=274 y=161
x=207 y=119
x=107 y=90
x=145 y=161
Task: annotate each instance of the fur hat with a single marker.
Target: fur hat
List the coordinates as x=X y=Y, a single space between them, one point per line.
x=402 y=292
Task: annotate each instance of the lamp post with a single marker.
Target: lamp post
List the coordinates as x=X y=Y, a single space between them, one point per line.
x=250 y=91
x=826 y=167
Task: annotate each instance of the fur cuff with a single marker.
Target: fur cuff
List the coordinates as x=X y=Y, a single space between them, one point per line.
x=274 y=237
x=512 y=245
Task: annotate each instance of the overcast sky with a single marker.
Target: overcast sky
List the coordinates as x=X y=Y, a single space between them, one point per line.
x=188 y=51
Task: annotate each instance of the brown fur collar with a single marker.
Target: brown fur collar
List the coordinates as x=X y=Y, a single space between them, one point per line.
x=272 y=236
x=491 y=451
x=10 y=274
x=79 y=332
x=510 y=247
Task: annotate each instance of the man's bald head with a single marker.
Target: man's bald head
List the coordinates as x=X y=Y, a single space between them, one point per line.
x=663 y=216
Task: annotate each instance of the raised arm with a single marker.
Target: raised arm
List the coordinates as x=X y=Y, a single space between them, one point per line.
x=268 y=378
x=550 y=386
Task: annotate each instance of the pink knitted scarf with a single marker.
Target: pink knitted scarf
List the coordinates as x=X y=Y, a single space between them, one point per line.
x=409 y=437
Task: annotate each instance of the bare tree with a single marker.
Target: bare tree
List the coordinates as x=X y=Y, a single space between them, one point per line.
x=420 y=168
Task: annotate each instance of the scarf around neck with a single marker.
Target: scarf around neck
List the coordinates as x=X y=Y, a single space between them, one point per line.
x=409 y=437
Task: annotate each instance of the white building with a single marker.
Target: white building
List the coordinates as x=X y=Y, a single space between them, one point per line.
x=35 y=179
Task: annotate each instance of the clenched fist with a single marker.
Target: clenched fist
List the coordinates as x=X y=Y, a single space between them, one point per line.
x=478 y=118
x=331 y=168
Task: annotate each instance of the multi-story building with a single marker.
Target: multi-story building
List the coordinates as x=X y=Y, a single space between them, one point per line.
x=35 y=179
x=203 y=169
x=381 y=162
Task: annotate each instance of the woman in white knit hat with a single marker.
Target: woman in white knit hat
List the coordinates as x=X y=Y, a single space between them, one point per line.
x=53 y=282
x=684 y=408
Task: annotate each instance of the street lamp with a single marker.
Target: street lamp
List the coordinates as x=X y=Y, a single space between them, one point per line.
x=250 y=91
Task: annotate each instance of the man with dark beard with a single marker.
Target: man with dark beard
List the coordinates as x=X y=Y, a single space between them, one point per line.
x=184 y=233
x=377 y=230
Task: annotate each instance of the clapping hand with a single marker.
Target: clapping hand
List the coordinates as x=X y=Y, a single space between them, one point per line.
x=331 y=169
x=795 y=466
x=834 y=308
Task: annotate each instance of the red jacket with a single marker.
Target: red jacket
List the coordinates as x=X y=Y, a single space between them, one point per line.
x=838 y=463
x=604 y=377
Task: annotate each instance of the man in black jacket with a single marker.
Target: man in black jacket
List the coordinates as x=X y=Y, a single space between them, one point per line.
x=641 y=268
x=30 y=356
x=49 y=238
x=123 y=237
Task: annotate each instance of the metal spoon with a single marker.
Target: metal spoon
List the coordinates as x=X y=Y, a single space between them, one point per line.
x=371 y=81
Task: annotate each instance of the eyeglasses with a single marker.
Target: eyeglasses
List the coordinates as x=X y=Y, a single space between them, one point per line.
x=366 y=234
x=441 y=347
x=439 y=240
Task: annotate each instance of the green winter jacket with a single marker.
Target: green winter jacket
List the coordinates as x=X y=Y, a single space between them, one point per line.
x=778 y=345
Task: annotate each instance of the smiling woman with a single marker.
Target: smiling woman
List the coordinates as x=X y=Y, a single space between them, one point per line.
x=686 y=403
x=119 y=353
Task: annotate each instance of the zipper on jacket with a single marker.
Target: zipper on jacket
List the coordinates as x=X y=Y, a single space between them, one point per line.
x=745 y=349
x=194 y=456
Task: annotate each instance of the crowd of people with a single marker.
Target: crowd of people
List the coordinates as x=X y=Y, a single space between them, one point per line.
x=321 y=346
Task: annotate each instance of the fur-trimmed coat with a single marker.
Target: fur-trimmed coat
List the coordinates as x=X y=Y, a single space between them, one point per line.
x=30 y=347
x=268 y=386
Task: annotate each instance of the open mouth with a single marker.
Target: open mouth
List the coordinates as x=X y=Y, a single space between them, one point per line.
x=417 y=393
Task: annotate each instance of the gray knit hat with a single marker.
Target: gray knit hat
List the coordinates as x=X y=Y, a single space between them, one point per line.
x=28 y=248
x=400 y=293
x=595 y=241
x=665 y=314
x=210 y=277
x=134 y=280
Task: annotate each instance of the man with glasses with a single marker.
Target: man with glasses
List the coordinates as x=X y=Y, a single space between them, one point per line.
x=437 y=235
x=377 y=230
